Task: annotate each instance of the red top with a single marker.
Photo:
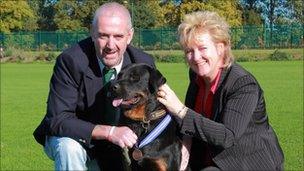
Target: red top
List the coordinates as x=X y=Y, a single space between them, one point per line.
x=206 y=110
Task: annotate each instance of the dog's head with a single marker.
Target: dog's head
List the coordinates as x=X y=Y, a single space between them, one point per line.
x=135 y=90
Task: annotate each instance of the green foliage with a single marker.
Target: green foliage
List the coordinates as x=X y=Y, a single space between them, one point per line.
x=13 y=54
x=51 y=57
x=21 y=40
x=47 y=47
x=16 y=16
x=46 y=56
x=251 y=17
x=146 y=14
x=297 y=9
x=8 y=52
x=263 y=55
x=66 y=15
x=280 y=56
x=171 y=14
x=86 y=12
x=75 y=15
x=45 y=11
x=227 y=9
x=143 y=17
x=16 y=55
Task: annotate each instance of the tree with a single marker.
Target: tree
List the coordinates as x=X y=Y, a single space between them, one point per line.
x=155 y=8
x=86 y=12
x=171 y=14
x=227 y=9
x=275 y=12
x=297 y=8
x=17 y=16
x=251 y=13
x=145 y=13
x=76 y=15
x=251 y=17
x=66 y=16
x=45 y=12
x=143 y=17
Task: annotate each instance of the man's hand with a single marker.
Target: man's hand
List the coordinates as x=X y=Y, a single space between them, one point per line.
x=121 y=136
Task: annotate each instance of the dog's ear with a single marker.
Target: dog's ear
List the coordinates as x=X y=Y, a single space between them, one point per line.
x=156 y=80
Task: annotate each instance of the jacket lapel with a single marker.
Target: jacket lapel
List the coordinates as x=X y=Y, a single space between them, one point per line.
x=93 y=80
x=217 y=102
x=192 y=90
x=126 y=61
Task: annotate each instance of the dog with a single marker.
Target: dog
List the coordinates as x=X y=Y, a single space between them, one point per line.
x=135 y=92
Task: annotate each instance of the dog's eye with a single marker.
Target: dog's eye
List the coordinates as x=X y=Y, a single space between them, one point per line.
x=134 y=77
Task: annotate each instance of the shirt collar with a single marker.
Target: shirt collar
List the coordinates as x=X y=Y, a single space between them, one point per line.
x=117 y=67
x=214 y=84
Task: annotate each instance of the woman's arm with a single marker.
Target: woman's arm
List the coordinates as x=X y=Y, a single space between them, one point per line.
x=236 y=113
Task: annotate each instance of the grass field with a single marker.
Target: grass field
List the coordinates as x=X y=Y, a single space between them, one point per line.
x=24 y=89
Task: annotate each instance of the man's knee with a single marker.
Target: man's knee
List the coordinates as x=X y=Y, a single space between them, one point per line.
x=70 y=146
x=64 y=147
x=67 y=153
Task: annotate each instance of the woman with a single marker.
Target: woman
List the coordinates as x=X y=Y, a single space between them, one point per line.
x=225 y=114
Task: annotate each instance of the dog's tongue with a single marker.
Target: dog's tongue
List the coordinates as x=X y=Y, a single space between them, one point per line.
x=116 y=102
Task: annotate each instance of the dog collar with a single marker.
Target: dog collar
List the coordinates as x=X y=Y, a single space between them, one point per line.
x=157 y=114
x=155 y=132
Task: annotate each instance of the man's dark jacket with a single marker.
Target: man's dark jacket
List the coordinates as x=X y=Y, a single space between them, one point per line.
x=239 y=132
x=76 y=98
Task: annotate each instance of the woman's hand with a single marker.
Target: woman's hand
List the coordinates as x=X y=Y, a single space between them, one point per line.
x=167 y=97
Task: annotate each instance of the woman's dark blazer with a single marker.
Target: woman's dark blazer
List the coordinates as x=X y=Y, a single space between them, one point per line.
x=239 y=131
x=76 y=98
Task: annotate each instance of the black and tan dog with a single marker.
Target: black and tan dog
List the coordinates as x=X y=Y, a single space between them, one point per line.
x=159 y=146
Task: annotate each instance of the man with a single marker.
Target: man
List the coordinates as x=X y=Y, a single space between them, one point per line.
x=80 y=122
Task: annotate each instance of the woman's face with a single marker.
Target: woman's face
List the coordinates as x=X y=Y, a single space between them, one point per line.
x=204 y=56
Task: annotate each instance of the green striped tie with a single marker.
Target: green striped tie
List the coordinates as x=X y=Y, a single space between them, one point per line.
x=108 y=73
x=111 y=115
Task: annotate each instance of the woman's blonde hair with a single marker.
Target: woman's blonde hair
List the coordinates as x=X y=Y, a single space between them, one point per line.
x=206 y=22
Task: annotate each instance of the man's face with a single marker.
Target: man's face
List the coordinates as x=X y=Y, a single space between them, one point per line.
x=111 y=37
